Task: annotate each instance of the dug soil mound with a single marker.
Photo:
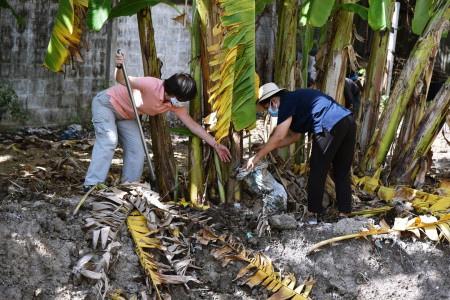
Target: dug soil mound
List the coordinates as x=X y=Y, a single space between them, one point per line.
x=42 y=241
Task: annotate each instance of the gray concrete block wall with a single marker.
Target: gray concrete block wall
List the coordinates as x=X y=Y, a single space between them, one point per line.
x=50 y=99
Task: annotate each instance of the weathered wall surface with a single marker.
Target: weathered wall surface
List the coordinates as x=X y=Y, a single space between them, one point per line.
x=49 y=98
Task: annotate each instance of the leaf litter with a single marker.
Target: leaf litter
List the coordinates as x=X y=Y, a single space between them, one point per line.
x=49 y=253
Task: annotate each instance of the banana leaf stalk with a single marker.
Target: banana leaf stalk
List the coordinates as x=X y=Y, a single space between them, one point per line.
x=336 y=67
x=405 y=170
x=286 y=51
x=219 y=178
x=370 y=102
x=429 y=225
x=195 y=110
x=404 y=88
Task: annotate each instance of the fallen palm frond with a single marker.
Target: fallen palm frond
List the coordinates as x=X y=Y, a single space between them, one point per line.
x=436 y=205
x=426 y=224
x=137 y=224
x=259 y=270
x=108 y=215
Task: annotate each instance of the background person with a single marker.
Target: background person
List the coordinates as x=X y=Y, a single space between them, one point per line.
x=334 y=132
x=113 y=119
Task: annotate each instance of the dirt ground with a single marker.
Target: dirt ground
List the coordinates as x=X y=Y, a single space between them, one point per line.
x=41 y=241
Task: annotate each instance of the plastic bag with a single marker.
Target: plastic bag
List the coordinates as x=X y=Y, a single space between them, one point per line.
x=260 y=181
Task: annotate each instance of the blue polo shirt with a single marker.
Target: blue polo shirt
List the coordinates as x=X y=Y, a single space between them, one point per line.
x=311 y=111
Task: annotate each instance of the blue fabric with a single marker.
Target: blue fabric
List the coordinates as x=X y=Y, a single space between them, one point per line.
x=311 y=111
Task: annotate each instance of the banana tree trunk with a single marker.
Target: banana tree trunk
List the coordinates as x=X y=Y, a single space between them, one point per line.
x=286 y=51
x=208 y=17
x=195 y=110
x=336 y=67
x=234 y=187
x=161 y=142
x=415 y=151
x=403 y=89
x=371 y=98
x=286 y=42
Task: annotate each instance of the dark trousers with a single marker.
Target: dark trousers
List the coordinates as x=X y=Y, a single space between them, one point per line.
x=335 y=147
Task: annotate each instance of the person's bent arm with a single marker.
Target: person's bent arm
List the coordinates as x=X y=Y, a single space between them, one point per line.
x=134 y=81
x=274 y=142
x=290 y=138
x=198 y=130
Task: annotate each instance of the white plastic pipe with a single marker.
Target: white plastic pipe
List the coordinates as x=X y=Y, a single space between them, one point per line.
x=391 y=46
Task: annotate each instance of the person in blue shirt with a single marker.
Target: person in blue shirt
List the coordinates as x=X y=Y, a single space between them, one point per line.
x=334 y=135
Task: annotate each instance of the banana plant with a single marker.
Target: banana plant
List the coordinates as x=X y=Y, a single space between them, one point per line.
x=405 y=86
x=66 y=38
x=233 y=91
x=412 y=156
x=379 y=14
x=233 y=95
x=65 y=41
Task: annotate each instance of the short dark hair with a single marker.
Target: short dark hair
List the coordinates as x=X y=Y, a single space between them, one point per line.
x=267 y=100
x=182 y=86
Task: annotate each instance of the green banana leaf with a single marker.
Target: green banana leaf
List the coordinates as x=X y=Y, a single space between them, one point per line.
x=5 y=4
x=421 y=15
x=378 y=14
x=316 y=11
x=66 y=34
x=233 y=94
x=98 y=13
x=362 y=11
x=181 y=130
x=131 y=7
x=260 y=5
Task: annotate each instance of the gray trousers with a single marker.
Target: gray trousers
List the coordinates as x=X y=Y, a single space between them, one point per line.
x=111 y=128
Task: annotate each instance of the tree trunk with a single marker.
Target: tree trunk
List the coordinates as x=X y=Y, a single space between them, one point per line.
x=336 y=66
x=161 y=142
x=404 y=172
x=286 y=51
x=195 y=110
x=286 y=41
x=415 y=109
x=234 y=186
x=371 y=98
x=403 y=89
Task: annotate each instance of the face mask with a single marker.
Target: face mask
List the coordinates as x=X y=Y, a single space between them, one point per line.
x=272 y=112
x=175 y=102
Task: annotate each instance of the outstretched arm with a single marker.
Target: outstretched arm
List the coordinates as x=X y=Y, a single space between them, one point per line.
x=199 y=131
x=278 y=139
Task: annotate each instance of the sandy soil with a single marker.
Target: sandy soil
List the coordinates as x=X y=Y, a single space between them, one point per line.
x=41 y=241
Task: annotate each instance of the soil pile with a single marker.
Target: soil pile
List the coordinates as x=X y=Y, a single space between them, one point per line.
x=41 y=240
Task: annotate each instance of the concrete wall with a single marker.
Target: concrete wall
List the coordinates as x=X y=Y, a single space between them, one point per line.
x=50 y=99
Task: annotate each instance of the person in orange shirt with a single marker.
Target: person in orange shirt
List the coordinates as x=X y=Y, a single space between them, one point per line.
x=113 y=119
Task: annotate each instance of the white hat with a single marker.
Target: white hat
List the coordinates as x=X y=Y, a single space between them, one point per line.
x=267 y=90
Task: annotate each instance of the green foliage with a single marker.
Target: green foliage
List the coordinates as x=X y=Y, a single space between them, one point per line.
x=421 y=15
x=316 y=11
x=5 y=4
x=181 y=130
x=10 y=102
x=362 y=11
x=131 y=7
x=98 y=13
x=260 y=5
x=378 y=14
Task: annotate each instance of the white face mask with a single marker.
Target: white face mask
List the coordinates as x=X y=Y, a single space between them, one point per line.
x=175 y=102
